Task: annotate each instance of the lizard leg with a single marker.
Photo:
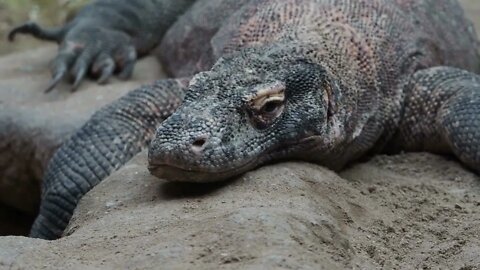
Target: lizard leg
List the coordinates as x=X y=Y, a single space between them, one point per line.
x=107 y=141
x=442 y=114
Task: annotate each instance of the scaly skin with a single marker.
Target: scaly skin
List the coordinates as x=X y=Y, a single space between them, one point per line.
x=326 y=81
x=112 y=137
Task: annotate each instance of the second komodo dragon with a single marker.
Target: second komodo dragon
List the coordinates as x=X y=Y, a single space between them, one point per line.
x=257 y=81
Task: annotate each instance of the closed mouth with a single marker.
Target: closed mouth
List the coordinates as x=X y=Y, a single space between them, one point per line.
x=178 y=174
x=174 y=173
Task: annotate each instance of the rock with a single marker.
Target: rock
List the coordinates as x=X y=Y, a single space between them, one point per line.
x=34 y=124
x=288 y=215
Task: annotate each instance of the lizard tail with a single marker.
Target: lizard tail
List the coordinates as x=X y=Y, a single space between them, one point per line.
x=54 y=34
x=107 y=141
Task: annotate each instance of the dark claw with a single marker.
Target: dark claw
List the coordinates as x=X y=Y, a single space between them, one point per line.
x=82 y=65
x=60 y=68
x=55 y=80
x=130 y=57
x=78 y=79
x=35 y=30
x=104 y=66
x=107 y=71
x=80 y=70
x=127 y=72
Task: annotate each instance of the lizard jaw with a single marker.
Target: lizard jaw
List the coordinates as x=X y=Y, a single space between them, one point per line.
x=176 y=174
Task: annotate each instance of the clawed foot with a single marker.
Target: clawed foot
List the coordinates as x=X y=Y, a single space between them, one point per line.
x=85 y=49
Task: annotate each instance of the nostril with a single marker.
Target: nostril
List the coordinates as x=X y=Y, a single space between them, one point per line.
x=199 y=144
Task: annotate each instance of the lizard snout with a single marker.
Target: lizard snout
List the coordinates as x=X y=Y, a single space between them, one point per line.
x=183 y=150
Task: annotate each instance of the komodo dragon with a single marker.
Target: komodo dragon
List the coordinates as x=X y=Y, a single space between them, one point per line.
x=257 y=81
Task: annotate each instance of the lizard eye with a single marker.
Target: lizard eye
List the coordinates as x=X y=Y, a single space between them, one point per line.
x=266 y=104
x=272 y=107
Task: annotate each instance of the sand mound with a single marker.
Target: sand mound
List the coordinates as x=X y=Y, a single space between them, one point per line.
x=408 y=211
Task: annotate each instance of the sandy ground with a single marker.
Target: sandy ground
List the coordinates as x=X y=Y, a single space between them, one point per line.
x=410 y=211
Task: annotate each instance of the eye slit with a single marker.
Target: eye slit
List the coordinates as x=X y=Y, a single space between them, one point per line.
x=271 y=106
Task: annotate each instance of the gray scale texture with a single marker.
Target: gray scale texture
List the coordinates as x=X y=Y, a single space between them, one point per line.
x=357 y=77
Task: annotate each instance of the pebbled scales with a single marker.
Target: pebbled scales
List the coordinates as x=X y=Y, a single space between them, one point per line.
x=326 y=81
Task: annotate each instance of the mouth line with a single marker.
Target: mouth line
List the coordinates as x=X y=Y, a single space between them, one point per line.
x=253 y=162
x=157 y=166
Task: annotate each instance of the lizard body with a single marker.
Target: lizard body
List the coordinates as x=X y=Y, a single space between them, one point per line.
x=326 y=81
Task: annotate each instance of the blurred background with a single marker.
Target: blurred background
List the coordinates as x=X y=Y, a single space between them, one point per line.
x=46 y=12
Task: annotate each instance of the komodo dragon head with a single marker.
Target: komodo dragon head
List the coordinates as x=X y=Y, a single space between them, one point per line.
x=250 y=108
